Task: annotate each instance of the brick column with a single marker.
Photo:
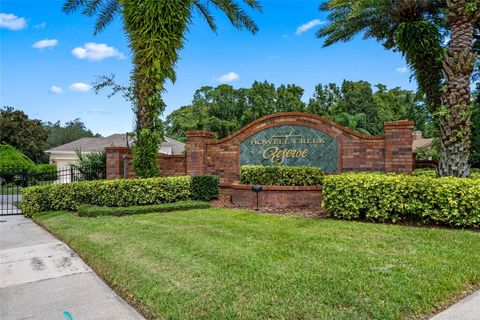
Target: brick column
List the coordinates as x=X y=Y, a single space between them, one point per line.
x=115 y=161
x=196 y=151
x=398 y=146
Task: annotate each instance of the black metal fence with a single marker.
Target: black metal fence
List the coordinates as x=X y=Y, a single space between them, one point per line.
x=13 y=179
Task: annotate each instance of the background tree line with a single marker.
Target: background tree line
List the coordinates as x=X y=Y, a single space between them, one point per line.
x=32 y=137
x=354 y=104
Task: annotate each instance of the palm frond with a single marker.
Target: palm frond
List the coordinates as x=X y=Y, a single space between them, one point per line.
x=237 y=16
x=205 y=12
x=107 y=15
x=92 y=6
x=73 y=5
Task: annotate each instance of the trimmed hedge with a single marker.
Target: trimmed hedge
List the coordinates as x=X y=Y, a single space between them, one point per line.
x=45 y=172
x=110 y=193
x=474 y=173
x=444 y=201
x=281 y=175
x=87 y=210
x=204 y=188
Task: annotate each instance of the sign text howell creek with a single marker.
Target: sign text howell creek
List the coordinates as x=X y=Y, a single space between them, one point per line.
x=291 y=145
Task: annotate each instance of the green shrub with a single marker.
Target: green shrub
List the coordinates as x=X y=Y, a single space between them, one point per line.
x=11 y=157
x=474 y=173
x=445 y=201
x=425 y=173
x=281 y=175
x=204 y=188
x=110 y=193
x=13 y=163
x=87 y=210
x=45 y=172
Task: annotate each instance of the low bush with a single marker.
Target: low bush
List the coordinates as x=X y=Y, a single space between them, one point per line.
x=110 y=193
x=87 y=210
x=445 y=201
x=13 y=163
x=425 y=173
x=45 y=172
x=474 y=173
x=281 y=175
x=204 y=188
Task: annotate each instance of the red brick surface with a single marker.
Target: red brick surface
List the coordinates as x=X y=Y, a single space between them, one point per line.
x=119 y=164
x=275 y=196
x=357 y=152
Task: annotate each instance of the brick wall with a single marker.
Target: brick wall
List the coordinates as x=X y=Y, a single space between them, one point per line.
x=275 y=196
x=115 y=157
x=357 y=152
x=119 y=163
x=196 y=151
x=398 y=146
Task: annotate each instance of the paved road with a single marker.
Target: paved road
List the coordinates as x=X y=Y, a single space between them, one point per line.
x=465 y=309
x=42 y=278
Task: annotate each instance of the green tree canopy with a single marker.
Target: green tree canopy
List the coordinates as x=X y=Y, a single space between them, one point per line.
x=224 y=109
x=71 y=131
x=29 y=136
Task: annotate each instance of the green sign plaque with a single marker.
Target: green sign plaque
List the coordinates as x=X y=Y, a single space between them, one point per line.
x=291 y=146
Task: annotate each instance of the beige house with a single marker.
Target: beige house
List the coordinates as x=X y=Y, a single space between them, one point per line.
x=420 y=142
x=65 y=154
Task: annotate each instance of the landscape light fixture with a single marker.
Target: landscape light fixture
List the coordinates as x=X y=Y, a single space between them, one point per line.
x=257 y=189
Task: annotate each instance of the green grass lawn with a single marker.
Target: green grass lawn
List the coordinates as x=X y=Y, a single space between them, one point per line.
x=228 y=264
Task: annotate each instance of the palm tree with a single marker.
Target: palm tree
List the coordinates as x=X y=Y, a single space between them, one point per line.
x=458 y=65
x=352 y=121
x=418 y=29
x=156 y=31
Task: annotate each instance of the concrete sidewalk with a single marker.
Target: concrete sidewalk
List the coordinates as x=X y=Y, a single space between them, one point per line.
x=42 y=278
x=466 y=309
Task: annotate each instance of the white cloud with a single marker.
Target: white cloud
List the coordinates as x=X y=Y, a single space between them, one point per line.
x=307 y=26
x=228 y=77
x=42 y=25
x=402 y=69
x=80 y=86
x=12 y=22
x=47 y=43
x=96 y=51
x=56 y=90
x=273 y=57
x=99 y=111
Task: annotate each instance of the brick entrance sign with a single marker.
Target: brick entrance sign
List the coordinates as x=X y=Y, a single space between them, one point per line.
x=353 y=151
x=289 y=138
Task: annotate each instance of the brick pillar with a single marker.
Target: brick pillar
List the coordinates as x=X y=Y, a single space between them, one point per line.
x=398 y=146
x=115 y=161
x=196 y=151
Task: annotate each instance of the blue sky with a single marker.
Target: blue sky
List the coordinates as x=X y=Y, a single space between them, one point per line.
x=48 y=59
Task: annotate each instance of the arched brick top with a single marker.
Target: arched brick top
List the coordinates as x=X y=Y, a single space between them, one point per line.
x=291 y=118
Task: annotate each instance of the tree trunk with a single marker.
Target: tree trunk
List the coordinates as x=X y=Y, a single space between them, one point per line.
x=454 y=115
